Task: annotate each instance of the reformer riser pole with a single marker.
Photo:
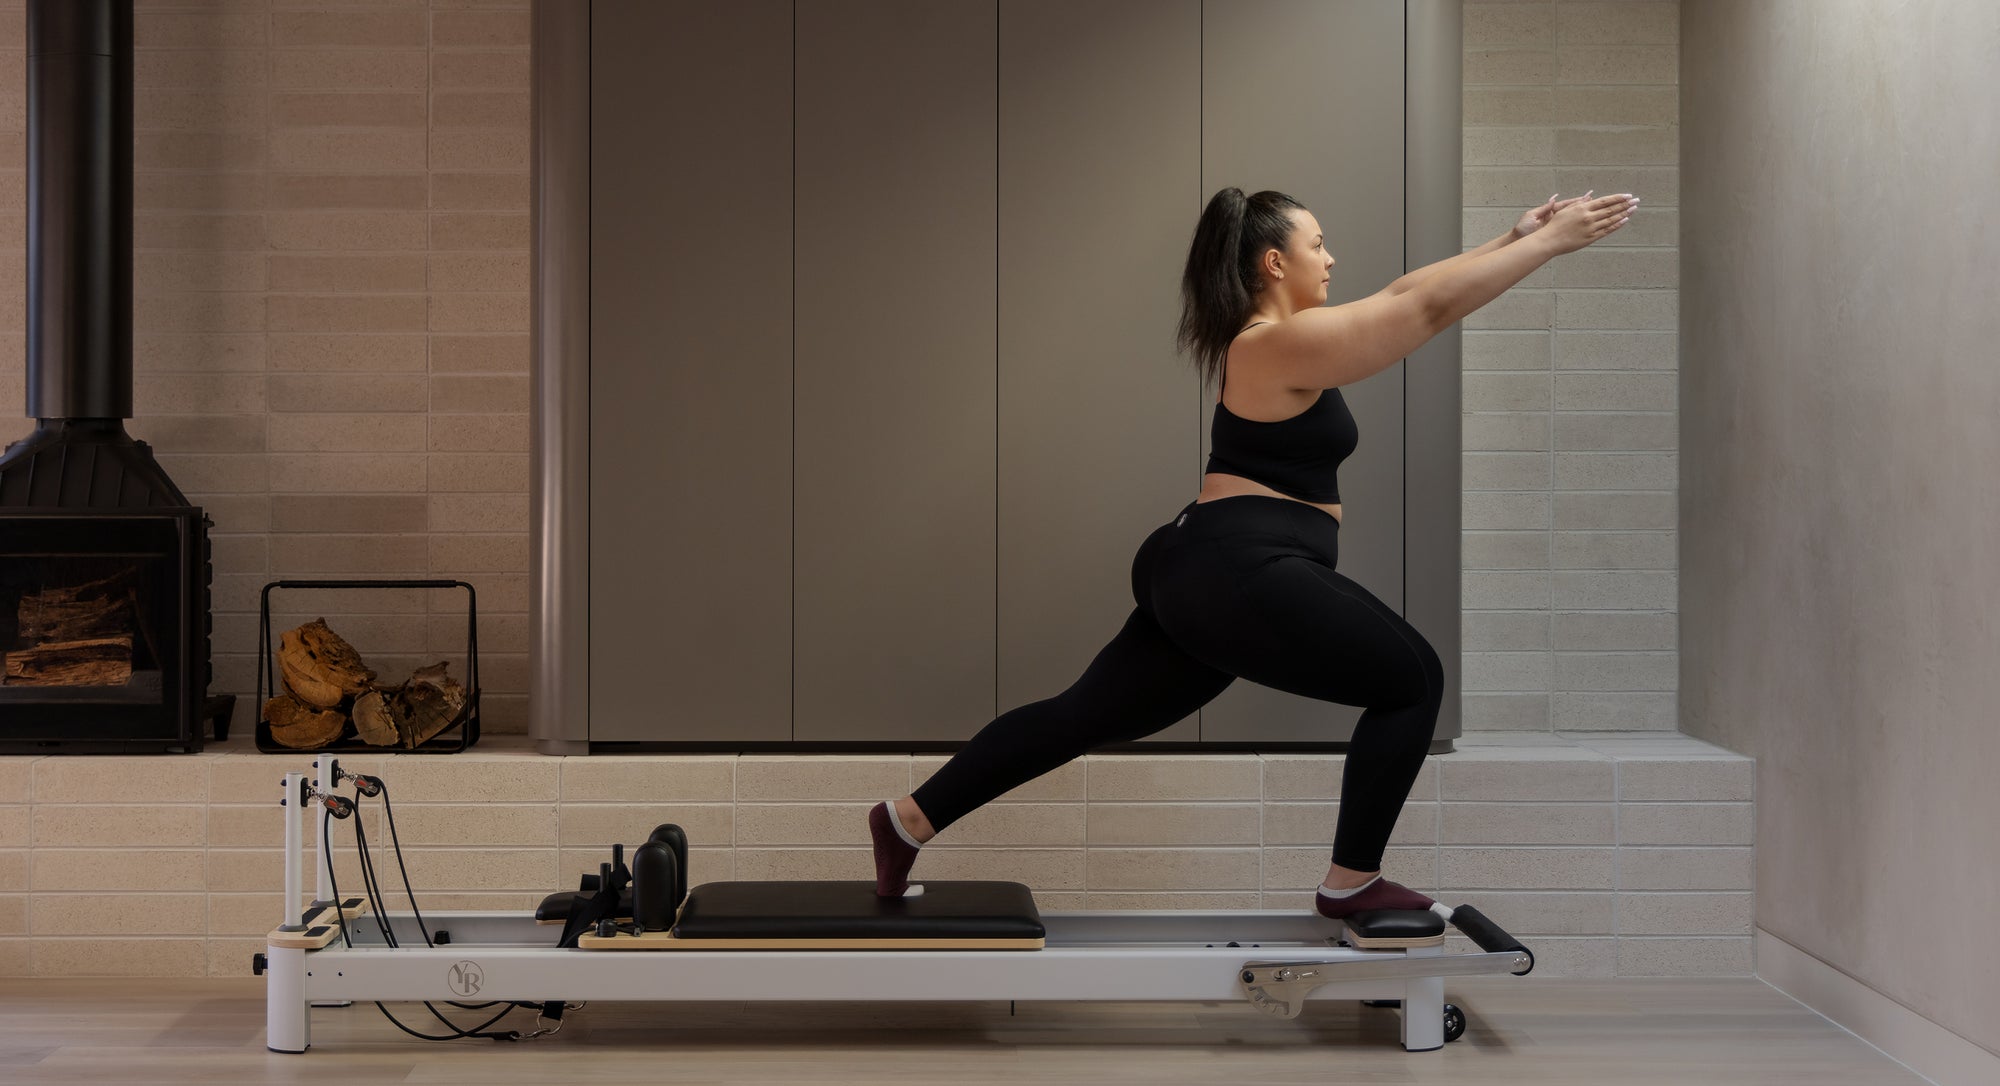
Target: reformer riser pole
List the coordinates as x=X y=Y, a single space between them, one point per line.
x=323 y=893
x=293 y=808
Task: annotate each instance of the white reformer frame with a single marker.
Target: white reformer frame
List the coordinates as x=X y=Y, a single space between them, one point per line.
x=1281 y=958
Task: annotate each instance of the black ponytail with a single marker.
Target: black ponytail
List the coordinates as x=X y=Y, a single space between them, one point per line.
x=1219 y=284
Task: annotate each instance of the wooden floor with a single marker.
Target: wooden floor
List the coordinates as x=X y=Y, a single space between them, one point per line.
x=1520 y=1030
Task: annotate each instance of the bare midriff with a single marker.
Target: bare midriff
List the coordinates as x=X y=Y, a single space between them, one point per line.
x=1217 y=485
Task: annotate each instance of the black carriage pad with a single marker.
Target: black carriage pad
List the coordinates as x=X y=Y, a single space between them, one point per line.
x=964 y=910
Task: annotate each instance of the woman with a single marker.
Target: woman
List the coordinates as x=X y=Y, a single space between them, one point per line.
x=1241 y=582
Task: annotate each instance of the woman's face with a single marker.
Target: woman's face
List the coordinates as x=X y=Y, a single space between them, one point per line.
x=1305 y=264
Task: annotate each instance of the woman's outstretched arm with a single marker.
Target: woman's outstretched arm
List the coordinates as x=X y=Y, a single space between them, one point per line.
x=1529 y=225
x=1425 y=272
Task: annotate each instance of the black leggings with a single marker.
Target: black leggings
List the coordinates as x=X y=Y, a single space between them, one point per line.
x=1241 y=586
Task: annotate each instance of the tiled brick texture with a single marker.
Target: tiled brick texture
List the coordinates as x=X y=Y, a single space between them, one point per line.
x=1571 y=428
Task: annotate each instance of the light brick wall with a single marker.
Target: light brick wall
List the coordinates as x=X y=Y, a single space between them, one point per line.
x=331 y=305
x=331 y=352
x=1571 y=432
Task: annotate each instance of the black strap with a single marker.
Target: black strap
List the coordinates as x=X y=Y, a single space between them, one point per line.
x=1225 y=358
x=584 y=913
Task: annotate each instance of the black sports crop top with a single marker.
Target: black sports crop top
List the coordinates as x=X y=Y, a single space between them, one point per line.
x=1298 y=456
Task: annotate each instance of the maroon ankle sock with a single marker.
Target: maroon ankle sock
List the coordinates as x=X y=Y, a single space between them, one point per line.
x=1380 y=894
x=893 y=855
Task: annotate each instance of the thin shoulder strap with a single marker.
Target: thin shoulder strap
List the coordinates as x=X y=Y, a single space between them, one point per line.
x=1225 y=367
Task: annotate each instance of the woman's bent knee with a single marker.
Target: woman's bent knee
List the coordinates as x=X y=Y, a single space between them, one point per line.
x=1425 y=681
x=1433 y=667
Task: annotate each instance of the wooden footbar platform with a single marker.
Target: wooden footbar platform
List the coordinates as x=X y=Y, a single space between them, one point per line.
x=322 y=926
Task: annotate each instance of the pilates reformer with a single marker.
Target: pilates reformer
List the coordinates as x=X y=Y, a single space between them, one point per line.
x=827 y=940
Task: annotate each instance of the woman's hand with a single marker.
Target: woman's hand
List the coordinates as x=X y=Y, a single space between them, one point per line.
x=1536 y=218
x=1585 y=221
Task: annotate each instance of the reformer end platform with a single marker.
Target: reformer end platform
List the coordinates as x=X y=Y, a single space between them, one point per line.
x=1394 y=929
x=844 y=915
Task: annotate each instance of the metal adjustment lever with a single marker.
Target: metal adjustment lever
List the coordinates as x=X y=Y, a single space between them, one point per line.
x=1280 y=989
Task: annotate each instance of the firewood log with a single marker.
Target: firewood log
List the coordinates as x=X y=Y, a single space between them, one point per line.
x=99 y=661
x=430 y=701
x=374 y=721
x=300 y=726
x=100 y=608
x=319 y=666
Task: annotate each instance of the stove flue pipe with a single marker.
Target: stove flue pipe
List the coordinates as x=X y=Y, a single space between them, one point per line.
x=79 y=316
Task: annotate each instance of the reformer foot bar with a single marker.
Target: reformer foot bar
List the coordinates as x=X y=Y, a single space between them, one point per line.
x=836 y=941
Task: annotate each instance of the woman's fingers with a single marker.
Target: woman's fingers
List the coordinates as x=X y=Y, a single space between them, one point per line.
x=1619 y=207
x=1605 y=204
x=1602 y=215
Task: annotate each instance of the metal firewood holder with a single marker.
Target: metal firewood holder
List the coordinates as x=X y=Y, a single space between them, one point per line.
x=461 y=733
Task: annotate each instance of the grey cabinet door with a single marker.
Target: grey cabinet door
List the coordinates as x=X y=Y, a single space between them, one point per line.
x=1100 y=419
x=884 y=394
x=893 y=510
x=1306 y=96
x=691 y=371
